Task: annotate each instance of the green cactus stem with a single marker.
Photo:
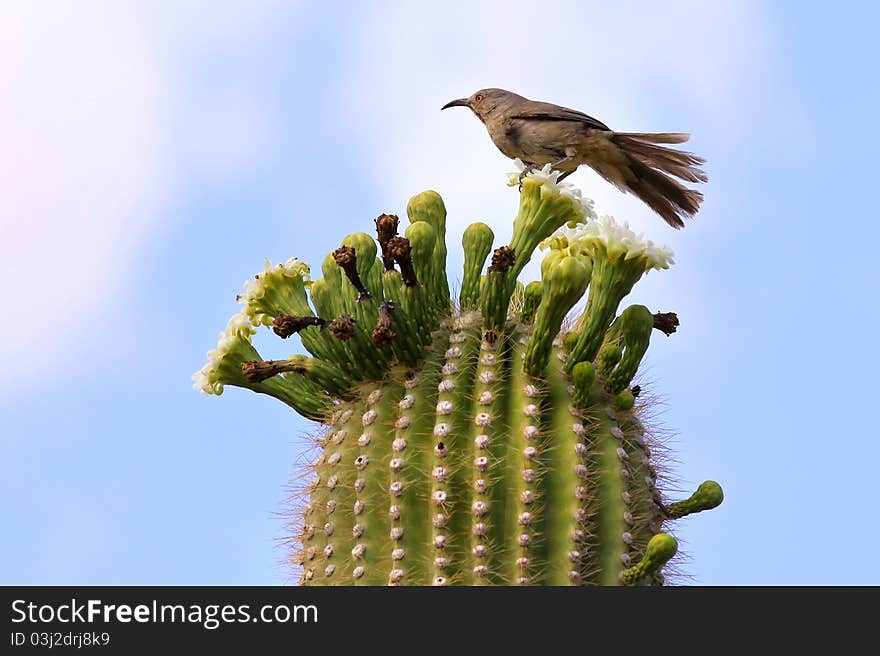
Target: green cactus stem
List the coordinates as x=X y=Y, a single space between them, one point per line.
x=499 y=443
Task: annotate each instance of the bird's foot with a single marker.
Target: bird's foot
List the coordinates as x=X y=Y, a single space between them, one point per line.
x=530 y=168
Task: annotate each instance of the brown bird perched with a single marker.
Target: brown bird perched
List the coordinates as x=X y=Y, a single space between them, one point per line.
x=541 y=133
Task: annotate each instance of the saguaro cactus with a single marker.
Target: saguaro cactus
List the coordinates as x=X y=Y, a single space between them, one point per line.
x=496 y=442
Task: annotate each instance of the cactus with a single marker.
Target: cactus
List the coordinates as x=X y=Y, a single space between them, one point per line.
x=492 y=441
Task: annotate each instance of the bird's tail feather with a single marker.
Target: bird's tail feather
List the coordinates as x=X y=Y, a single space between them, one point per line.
x=653 y=167
x=681 y=164
x=657 y=137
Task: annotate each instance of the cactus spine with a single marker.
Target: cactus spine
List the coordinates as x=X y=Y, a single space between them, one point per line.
x=490 y=444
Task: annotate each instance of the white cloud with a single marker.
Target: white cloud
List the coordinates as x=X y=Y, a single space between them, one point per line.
x=95 y=121
x=82 y=120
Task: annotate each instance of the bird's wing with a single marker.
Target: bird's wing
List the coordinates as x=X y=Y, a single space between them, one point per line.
x=542 y=111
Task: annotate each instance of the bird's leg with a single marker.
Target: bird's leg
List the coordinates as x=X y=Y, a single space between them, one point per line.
x=555 y=165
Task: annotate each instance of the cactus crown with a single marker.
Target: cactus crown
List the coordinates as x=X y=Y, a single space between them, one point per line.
x=483 y=444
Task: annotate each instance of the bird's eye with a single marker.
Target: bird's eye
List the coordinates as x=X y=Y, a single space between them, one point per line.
x=479 y=97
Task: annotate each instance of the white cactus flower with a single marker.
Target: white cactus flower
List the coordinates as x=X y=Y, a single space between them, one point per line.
x=550 y=185
x=238 y=329
x=272 y=276
x=616 y=239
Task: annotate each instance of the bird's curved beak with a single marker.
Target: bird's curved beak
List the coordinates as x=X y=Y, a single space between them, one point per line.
x=461 y=102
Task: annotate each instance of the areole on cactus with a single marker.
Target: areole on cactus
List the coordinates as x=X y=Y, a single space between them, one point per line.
x=492 y=441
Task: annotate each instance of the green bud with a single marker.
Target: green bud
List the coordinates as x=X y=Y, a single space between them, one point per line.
x=556 y=243
x=325 y=303
x=709 y=495
x=477 y=243
x=569 y=341
x=550 y=260
x=563 y=285
x=660 y=549
x=623 y=401
x=422 y=238
x=366 y=251
x=531 y=299
x=494 y=301
x=332 y=273
x=608 y=358
x=583 y=374
x=636 y=325
x=428 y=206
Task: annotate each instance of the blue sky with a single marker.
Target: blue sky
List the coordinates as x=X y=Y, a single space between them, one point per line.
x=155 y=153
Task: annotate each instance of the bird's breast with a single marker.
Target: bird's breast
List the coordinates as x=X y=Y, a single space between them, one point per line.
x=506 y=137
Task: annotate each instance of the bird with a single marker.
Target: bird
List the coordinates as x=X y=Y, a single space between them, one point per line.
x=540 y=133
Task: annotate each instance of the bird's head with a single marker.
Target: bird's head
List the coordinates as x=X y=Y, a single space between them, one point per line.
x=485 y=102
